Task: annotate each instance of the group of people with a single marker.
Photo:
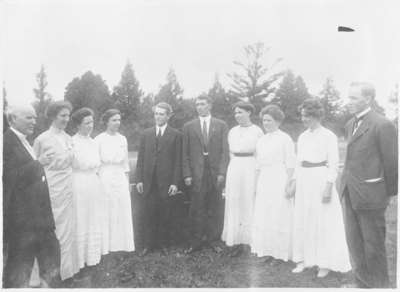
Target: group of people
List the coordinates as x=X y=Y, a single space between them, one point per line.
x=66 y=199
x=280 y=202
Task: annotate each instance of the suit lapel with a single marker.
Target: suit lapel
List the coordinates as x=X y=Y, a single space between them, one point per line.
x=197 y=129
x=20 y=145
x=164 y=138
x=361 y=129
x=212 y=130
x=152 y=140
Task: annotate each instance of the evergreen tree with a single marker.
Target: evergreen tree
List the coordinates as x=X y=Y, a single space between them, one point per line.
x=330 y=99
x=5 y=106
x=254 y=80
x=221 y=102
x=42 y=100
x=91 y=91
x=5 y=102
x=146 y=112
x=171 y=93
x=127 y=95
x=394 y=103
x=289 y=96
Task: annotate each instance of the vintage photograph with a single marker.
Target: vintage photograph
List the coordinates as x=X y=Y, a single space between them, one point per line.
x=199 y=144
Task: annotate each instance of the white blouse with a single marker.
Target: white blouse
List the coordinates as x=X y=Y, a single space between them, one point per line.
x=243 y=139
x=86 y=153
x=319 y=145
x=275 y=148
x=113 y=149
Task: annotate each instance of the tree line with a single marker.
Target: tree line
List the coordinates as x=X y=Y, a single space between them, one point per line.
x=256 y=79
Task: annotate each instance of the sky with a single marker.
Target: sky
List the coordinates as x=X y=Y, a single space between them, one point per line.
x=198 y=39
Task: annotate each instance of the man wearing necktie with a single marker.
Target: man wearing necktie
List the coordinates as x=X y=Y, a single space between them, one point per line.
x=158 y=173
x=368 y=181
x=204 y=161
x=28 y=223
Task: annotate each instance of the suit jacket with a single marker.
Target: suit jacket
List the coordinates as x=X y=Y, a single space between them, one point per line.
x=26 y=201
x=370 y=170
x=193 y=148
x=164 y=162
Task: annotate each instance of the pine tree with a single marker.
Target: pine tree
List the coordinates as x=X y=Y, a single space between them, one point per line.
x=91 y=91
x=330 y=99
x=221 y=102
x=43 y=99
x=394 y=103
x=5 y=106
x=127 y=94
x=254 y=80
x=290 y=95
x=172 y=93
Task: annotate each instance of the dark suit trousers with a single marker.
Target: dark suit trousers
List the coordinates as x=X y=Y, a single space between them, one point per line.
x=205 y=210
x=365 y=233
x=157 y=218
x=23 y=247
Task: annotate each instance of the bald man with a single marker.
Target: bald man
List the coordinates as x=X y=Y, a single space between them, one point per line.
x=28 y=224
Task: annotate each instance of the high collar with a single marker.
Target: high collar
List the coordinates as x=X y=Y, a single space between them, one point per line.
x=82 y=136
x=162 y=128
x=207 y=119
x=18 y=133
x=55 y=130
x=363 y=113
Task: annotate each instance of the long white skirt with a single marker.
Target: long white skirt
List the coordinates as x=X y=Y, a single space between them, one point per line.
x=61 y=197
x=319 y=235
x=239 y=201
x=120 y=224
x=273 y=215
x=91 y=217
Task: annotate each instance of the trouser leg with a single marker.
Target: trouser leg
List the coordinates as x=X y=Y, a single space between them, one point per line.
x=355 y=241
x=163 y=224
x=22 y=248
x=49 y=258
x=373 y=229
x=149 y=216
x=365 y=235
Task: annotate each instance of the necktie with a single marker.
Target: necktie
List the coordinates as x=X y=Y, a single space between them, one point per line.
x=204 y=132
x=357 y=123
x=158 y=138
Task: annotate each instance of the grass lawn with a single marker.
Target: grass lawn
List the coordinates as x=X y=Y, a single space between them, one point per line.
x=219 y=270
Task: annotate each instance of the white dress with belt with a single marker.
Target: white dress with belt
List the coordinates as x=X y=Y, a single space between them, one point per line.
x=273 y=212
x=240 y=185
x=90 y=202
x=319 y=235
x=113 y=150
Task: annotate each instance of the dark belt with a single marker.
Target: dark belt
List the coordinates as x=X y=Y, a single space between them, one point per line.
x=243 y=154
x=309 y=164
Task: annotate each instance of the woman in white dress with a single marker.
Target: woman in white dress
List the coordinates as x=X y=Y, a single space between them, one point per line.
x=57 y=145
x=240 y=179
x=273 y=209
x=89 y=197
x=319 y=236
x=114 y=174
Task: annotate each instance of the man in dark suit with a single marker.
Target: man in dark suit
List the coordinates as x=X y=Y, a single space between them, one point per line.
x=28 y=224
x=158 y=174
x=369 y=180
x=205 y=160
